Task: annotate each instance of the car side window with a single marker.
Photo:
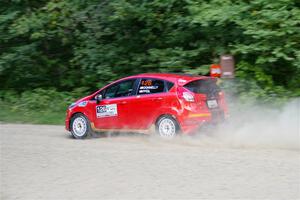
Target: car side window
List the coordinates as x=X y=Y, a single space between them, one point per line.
x=151 y=86
x=123 y=89
x=111 y=91
x=169 y=85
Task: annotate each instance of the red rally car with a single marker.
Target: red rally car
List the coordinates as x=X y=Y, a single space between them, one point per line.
x=172 y=103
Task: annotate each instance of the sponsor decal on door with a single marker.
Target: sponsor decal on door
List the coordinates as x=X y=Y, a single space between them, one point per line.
x=110 y=110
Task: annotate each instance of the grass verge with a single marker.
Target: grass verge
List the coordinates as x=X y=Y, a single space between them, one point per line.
x=10 y=115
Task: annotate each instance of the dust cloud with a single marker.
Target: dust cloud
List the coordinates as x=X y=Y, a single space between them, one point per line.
x=259 y=127
x=255 y=127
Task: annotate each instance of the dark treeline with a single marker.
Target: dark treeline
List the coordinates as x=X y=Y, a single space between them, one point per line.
x=69 y=44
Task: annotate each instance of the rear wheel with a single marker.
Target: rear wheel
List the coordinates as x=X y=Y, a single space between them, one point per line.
x=167 y=127
x=80 y=127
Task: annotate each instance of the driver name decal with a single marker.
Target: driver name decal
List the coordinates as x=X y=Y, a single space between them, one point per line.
x=110 y=110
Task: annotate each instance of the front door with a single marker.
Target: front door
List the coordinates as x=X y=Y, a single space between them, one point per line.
x=111 y=111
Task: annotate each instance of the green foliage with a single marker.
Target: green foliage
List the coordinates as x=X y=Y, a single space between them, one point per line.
x=40 y=99
x=68 y=44
x=252 y=86
x=37 y=106
x=33 y=117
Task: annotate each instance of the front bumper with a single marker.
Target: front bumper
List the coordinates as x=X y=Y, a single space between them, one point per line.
x=67 y=120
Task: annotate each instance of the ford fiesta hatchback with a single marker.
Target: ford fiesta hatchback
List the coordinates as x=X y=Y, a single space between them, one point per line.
x=172 y=103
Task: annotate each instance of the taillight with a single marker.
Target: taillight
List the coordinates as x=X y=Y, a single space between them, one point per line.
x=188 y=97
x=185 y=94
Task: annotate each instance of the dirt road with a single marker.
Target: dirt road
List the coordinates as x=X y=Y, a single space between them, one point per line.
x=43 y=162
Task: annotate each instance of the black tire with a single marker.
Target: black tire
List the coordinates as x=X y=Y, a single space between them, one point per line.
x=80 y=120
x=170 y=127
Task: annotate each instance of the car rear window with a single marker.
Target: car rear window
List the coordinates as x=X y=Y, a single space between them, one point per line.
x=151 y=86
x=203 y=86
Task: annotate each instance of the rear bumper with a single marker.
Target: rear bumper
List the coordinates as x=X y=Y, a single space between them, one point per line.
x=192 y=122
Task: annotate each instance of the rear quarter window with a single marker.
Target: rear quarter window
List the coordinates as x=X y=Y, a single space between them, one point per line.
x=169 y=85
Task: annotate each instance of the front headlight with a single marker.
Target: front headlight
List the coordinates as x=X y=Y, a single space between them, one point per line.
x=72 y=105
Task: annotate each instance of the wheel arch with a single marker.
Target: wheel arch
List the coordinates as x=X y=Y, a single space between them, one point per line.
x=169 y=115
x=75 y=113
x=162 y=115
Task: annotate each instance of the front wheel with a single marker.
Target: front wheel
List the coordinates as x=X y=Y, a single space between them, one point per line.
x=80 y=127
x=167 y=127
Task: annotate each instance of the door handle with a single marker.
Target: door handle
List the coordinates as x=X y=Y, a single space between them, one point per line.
x=123 y=102
x=158 y=99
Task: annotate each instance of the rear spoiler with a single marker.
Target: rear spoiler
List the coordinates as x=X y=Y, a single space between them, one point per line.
x=182 y=81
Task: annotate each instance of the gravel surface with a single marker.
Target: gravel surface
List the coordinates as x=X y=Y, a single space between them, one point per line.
x=43 y=162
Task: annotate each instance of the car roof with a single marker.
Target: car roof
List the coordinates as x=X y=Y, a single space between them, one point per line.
x=181 y=79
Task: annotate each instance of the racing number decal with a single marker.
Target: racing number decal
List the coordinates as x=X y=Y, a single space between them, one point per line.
x=146 y=87
x=107 y=110
x=146 y=83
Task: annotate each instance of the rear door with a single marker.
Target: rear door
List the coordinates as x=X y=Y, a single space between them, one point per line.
x=146 y=105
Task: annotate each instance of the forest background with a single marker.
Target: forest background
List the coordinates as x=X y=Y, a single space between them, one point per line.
x=54 y=51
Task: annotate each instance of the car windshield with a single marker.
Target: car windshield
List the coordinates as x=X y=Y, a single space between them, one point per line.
x=204 y=86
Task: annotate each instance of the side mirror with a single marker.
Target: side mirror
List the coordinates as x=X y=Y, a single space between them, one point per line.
x=99 y=98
